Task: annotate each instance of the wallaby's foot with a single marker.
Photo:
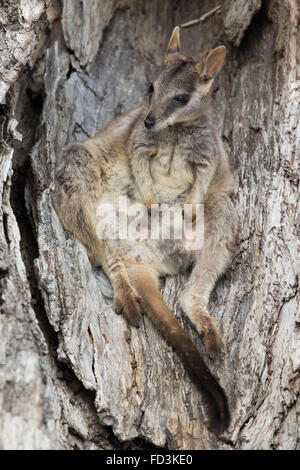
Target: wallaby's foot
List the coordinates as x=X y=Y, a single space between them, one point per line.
x=128 y=302
x=206 y=327
x=212 y=342
x=204 y=324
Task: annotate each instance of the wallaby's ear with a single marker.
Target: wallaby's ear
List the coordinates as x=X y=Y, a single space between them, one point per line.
x=174 y=43
x=213 y=63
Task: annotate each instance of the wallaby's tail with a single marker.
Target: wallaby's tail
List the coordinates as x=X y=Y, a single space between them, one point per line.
x=213 y=395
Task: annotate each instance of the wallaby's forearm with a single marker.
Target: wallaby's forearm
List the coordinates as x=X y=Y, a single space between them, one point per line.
x=140 y=167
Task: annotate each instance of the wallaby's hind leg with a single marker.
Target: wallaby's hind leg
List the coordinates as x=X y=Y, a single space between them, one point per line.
x=75 y=198
x=220 y=228
x=77 y=190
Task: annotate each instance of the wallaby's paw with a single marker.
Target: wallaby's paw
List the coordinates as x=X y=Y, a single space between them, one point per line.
x=204 y=325
x=211 y=336
x=149 y=205
x=212 y=343
x=128 y=303
x=190 y=216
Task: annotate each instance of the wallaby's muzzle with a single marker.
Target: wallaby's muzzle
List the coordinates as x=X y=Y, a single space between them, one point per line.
x=149 y=121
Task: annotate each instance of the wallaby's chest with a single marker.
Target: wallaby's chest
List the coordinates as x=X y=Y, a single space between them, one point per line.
x=172 y=173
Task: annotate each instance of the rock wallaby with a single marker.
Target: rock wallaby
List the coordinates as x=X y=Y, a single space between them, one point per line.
x=165 y=152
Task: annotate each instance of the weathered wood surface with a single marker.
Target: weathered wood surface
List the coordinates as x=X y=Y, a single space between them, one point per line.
x=91 y=65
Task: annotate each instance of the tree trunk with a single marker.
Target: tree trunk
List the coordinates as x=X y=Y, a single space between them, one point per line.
x=72 y=373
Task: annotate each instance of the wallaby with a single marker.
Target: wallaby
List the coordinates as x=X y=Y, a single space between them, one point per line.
x=166 y=151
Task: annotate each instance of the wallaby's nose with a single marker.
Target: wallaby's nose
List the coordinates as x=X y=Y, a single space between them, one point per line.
x=149 y=121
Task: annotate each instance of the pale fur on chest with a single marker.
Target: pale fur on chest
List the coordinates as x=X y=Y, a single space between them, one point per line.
x=172 y=173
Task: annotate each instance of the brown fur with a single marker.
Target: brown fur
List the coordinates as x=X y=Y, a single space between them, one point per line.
x=179 y=160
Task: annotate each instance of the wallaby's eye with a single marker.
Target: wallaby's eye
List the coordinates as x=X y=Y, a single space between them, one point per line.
x=182 y=99
x=151 y=88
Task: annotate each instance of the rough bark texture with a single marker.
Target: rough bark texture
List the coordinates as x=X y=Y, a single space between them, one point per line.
x=73 y=374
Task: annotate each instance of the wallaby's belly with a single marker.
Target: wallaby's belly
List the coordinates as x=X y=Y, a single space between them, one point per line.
x=172 y=175
x=132 y=234
x=120 y=208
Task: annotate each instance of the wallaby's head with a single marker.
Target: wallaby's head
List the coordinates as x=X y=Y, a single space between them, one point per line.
x=176 y=95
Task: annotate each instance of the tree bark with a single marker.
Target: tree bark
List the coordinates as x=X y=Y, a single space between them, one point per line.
x=72 y=373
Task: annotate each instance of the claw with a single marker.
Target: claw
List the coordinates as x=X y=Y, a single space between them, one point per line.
x=212 y=344
x=118 y=310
